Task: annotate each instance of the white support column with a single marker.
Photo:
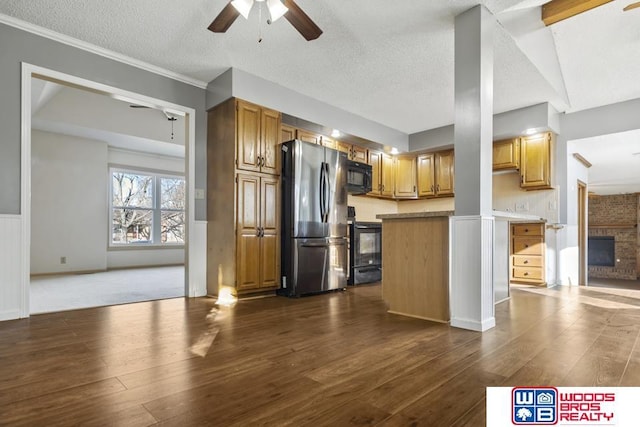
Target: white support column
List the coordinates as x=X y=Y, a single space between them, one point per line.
x=472 y=236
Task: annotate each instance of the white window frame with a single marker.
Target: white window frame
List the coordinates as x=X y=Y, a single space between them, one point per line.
x=156 y=231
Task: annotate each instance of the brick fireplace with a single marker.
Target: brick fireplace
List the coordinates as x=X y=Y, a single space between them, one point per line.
x=613 y=222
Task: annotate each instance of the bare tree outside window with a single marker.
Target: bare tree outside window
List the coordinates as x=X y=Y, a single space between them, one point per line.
x=172 y=204
x=147 y=208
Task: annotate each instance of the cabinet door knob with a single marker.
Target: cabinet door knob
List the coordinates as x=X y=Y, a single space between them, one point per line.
x=526 y=230
x=257 y=160
x=526 y=273
x=526 y=245
x=257 y=231
x=432 y=188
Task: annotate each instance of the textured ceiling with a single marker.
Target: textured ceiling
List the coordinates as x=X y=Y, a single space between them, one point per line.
x=390 y=62
x=615 y=170
x=393 y=65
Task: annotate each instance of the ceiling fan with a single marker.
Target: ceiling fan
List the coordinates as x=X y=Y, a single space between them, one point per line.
x=277 y=8
x=631 y=6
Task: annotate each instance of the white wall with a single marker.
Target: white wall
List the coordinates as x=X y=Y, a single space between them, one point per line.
x=426 y=205
x=368 y=207
x=68 y=203
x=568 y=253
x=509 y=197
x=70 y=212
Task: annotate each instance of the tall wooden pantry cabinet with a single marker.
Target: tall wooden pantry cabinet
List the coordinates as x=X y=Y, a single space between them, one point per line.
x=243 y=202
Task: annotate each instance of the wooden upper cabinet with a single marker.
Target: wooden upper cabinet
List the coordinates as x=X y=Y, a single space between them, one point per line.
x=387 y=175
x=359 y=154
x=287 y=133
x=248 y=136
x=506 y=154
x=344 y=147
x=258 y=135
x=308 y=136
x=405 y=177
x=355 y=152
x=535 y=161
x=328 y=142
x=270 y=139
x=375 y=159
x=426 y=175
x=444 y=173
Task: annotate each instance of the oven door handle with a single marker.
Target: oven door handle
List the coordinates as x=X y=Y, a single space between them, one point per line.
x=368 y=227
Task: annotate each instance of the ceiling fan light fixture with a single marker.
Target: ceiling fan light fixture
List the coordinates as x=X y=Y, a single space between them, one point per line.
x=276 y=9
x=243 y=6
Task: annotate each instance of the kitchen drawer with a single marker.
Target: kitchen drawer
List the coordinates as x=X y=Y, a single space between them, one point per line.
x=527 y=261
x=536 y=229
x=527 y=273
x=528 y=245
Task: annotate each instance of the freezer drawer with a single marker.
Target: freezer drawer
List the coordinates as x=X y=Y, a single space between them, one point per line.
x=316 y=265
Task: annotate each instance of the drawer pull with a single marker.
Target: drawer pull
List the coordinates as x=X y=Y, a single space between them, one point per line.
x=526 y=273
x=526 y=261
x=526 y=245
x=526 y=230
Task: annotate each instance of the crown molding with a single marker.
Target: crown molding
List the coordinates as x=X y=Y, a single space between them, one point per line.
x=88 y=47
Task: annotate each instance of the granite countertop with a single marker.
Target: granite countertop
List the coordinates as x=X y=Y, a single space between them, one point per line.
x=415 y=215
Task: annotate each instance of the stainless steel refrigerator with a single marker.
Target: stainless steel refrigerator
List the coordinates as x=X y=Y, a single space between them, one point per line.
x=314 y=219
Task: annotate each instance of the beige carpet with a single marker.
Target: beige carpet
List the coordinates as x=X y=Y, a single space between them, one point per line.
x=70 y=292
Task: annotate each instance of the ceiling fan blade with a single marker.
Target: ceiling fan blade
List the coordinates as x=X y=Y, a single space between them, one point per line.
x=224 y=19
x=301 y=21
x=632 y=6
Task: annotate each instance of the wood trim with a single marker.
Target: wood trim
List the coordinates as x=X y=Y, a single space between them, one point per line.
x=613 y=225
x=582 y=160
x=558 y=10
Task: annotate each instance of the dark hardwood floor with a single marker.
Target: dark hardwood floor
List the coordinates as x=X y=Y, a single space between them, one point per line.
x=328 y=360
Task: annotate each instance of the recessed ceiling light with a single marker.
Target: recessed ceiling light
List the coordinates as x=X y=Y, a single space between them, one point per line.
x=530 y=131
x=394 y=150
x=335 y=133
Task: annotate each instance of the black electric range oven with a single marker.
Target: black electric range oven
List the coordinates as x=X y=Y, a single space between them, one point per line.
x=365 y=252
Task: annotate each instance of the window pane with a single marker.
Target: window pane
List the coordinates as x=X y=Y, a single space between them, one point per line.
x=132 y=190
x=173 y=191
x=172 y=227
x=132 y=226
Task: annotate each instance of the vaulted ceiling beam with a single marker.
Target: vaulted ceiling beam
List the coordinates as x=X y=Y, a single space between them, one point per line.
x=558 y=10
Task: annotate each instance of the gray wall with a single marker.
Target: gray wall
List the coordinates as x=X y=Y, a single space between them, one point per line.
x=509 y=124
x=18 y=46
x=263 y=92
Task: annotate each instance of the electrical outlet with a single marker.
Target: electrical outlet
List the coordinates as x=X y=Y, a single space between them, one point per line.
x=63 y=260
x=552 y=205
x=199 y=194
x=522 y=207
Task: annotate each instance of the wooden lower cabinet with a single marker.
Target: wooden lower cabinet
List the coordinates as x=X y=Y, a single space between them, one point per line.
x=257 y=233
x=528 y=253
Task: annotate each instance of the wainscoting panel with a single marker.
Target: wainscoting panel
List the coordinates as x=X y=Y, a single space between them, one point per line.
x=472 y=300
x=10 y=266
x=197 y=253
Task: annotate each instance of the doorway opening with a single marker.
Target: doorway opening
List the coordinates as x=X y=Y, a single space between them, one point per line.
x=88 y=138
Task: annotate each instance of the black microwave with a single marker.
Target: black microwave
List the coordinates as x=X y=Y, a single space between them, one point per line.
x=358 y=177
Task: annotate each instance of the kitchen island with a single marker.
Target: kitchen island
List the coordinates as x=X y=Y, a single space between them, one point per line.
x=415 y=256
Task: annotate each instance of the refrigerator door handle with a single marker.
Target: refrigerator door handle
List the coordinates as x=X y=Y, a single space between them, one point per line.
x=315 y=245
x=327 y=186
x=322 y=192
